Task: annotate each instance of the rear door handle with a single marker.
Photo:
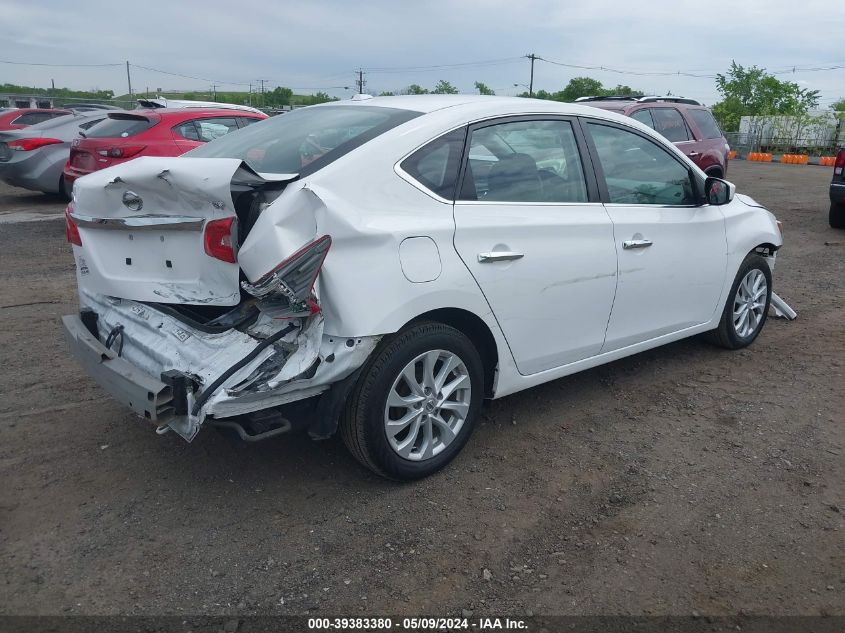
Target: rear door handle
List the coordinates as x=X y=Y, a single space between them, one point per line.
x=499 y=256
x=629 y=244
x=694 y=154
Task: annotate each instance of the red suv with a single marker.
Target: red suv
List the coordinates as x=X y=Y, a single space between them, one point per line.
x=685 y=122
x=157 y=132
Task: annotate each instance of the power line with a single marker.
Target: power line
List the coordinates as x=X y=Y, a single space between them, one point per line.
x=478 y=64
x=4 y=61
x=204 y=79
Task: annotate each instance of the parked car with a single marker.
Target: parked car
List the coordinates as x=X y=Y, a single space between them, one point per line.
x=685 y=122
x=836 y=216
x=19 y=118
x=88 y=107
x=162 y=102
x=379 y=266
x=34 y=157
x=123 y=136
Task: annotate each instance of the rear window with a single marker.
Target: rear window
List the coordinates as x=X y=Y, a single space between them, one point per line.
x=304 y=140
x=706 y=123
x=119 y=126
x=31 y=118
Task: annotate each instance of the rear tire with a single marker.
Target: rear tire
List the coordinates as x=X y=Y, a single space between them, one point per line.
x=836 y=217
x=747 y=306
x=64 y=192
x=433 y=377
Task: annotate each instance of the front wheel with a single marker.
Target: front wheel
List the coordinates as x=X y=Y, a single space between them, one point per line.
x=415 y=403
x=747 y=306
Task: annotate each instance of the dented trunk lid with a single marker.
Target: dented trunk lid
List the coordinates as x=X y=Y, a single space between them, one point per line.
x=142 y=227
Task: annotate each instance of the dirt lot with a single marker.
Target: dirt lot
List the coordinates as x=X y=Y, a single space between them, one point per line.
x=683 y=479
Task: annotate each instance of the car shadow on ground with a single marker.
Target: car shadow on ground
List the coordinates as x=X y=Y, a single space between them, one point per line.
x=216 y=459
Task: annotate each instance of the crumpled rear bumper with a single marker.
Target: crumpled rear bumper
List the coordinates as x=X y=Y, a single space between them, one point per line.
x=146 y=395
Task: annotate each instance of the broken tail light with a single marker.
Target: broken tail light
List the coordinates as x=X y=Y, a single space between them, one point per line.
x=288 y=290
x=71 y=230
x=29 y=144
x=219 y=239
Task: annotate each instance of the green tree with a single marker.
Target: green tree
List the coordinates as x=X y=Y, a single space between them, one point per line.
x=753 y=92
x=280 y=96
x=443 y=87
x=483 y=89
x=416 y=89
x=581 y=87
x=839 y=106
x=385 y=94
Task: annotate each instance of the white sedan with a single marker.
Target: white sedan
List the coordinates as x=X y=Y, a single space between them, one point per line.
x=381 y=265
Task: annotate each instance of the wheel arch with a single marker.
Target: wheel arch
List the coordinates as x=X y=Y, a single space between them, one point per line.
x=476 y=330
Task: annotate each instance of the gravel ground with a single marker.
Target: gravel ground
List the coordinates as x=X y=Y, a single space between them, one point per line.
x=683 y=479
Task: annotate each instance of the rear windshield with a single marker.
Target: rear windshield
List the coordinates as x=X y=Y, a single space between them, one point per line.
x=304 y=140
x=706 y=123
x=119 y=126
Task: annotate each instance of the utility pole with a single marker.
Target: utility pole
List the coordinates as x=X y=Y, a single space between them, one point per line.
x=262 y=91
x=53 y=83
x=532 y=57
x=249 y=98
x=360 y=81
x=214 y=90
x=129 y=79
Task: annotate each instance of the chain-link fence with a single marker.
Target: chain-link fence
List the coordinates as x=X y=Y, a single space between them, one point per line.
x=744 y=143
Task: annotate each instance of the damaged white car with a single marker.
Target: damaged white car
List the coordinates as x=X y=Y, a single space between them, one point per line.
x=379 y=266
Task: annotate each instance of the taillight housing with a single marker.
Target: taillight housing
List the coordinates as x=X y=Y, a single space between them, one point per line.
x=287 y=291
x=29 y=144
x=839 y=165
x=220 y=239
x=71 y=230
x=121 y=151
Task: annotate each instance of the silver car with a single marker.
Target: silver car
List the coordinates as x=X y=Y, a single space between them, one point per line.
x=34 y=157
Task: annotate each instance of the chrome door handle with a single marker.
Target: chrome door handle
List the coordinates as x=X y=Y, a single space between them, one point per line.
x=693 y=154
x=628 y=244
x=499 y=256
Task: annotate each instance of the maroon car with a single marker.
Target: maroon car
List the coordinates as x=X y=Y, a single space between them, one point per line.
x=685 y=122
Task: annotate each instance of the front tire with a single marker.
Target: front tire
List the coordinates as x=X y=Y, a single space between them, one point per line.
x=747 y=306
x=836 y=217
x=416 y=402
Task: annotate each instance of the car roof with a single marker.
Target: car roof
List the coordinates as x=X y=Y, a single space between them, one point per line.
x=187 y=113
x=479 y=105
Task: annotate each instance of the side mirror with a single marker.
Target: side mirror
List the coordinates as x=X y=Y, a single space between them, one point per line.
x=719 y=191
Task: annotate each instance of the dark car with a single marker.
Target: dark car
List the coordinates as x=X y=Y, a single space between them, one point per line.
x=837 y=192
x=685 y=122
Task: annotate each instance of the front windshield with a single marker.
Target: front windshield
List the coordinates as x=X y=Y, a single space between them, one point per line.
x=304 y=140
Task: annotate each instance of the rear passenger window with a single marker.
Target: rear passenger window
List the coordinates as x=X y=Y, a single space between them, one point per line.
x=210 y=129
x=245 y=120
x=706 y=123
x=436 y=165
x=643 y=116
x=670 y=123
x=524 y=161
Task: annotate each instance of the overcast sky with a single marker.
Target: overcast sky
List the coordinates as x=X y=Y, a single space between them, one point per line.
x=317 y=45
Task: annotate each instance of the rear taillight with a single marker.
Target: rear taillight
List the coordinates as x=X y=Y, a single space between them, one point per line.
x=126 y=151
x=288 y=290
x=220 y=239
x=780 y=227
x=29 y=144
x=71 y=230
x=839 y=165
